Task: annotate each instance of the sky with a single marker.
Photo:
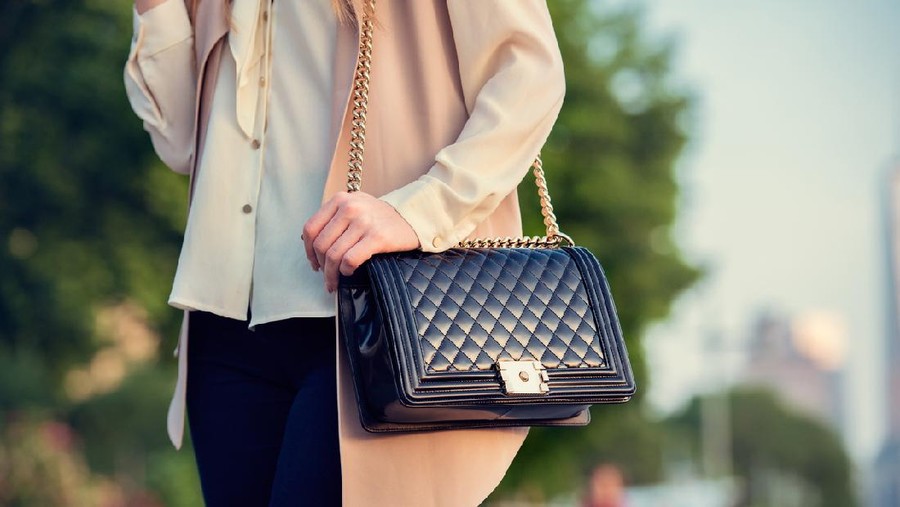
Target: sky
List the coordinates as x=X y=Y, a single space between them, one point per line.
x=797 y=122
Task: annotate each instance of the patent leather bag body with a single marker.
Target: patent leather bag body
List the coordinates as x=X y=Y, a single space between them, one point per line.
x=482 y=338
x=497 y=332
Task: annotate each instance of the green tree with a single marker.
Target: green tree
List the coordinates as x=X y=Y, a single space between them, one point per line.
x=610 y=167
x=86 y=214
x=775 y=448
x=88 y=219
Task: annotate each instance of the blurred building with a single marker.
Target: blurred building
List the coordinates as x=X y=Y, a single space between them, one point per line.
x=801 y=358
x=887 y=464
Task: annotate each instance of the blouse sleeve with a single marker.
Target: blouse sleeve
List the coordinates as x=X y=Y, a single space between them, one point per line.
x=513 y=84
x=160 y=80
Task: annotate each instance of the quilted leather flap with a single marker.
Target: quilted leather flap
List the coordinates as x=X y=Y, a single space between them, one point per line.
x=473 y=307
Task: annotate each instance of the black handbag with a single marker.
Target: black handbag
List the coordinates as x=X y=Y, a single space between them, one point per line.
x=497 y=332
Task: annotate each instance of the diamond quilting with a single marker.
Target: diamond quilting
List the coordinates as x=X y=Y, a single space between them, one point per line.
x=478 y=306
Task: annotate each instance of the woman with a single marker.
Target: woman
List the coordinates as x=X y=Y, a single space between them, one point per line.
x=250 y=98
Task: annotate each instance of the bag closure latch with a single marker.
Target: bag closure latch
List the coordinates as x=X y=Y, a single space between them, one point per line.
x=526 y=376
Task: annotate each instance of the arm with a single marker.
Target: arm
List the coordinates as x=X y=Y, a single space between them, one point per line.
x=160 y=78
x=513 y=84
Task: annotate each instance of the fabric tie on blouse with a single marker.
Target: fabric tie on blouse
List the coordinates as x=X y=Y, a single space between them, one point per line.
x=247 y=42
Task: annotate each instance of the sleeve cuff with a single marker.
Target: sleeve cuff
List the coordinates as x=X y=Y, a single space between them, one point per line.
x=420 y=203
x=161 y=27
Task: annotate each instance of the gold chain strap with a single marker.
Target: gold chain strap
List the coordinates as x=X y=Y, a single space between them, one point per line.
x=553 y=239
x=361 y=98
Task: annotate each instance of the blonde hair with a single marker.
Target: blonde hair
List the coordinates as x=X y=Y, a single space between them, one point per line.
x=345 y=10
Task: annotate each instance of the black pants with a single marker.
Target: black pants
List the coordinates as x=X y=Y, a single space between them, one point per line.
x=262 y=411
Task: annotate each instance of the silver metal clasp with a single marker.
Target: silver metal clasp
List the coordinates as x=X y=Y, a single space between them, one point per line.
x=526 y=376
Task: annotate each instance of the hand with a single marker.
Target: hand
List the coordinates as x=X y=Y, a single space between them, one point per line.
x=348 y=229
x=143 y=6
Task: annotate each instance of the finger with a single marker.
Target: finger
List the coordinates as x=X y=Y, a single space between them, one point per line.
x=314 y=225
x=328 y=235
x=357 y=255
x=335 y=256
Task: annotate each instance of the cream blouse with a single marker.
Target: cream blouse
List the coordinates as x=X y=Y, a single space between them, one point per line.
x=265 y=161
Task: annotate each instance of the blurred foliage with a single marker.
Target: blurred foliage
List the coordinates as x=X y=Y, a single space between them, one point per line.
x=559 y=460
x=79 y=188
x=777 y=452
x=610 y=165
x=88 y=219
x=38 y=466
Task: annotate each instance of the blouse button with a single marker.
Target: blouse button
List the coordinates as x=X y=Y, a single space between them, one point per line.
x=247 y=208
x=254 y=144
x=436 y=242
